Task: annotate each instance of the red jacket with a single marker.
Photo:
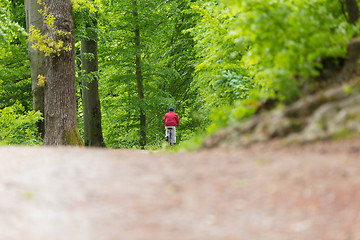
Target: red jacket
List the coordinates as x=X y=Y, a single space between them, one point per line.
x=171 y=119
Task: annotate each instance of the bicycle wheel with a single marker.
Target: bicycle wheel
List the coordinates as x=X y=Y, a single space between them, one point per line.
x=170 y=138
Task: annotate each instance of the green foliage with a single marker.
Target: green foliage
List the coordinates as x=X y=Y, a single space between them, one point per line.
x=18 y=126
x=220 y=77
x=214 y=61
x=93 y=6
x=229 y=114
x=17 y=123
x=9 y=29
x=86 y=15
x=167 y=68
x=16 y=9
x=48 y=43
x=249 y=51
x=191 y=144
x=232 y=86
x=15 y=82
x=287 y=40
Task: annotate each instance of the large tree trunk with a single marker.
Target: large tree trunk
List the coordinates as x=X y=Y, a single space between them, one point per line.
x=353 y=11
x=139 y=78
x=36 y=57
x=60 y=93
x=90 y=96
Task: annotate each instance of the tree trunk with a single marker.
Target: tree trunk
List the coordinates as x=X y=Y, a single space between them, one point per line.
x=36 y=57
x=139 y=78
x=353 y=11
x=60 y=93
x=90 y=96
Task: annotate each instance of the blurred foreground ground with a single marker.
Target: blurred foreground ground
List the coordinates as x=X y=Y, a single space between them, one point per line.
x=263 y=192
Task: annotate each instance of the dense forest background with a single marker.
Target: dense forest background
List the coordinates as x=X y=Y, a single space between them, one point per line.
x=215 y=62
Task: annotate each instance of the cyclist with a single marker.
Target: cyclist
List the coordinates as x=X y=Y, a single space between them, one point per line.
x=171 y=121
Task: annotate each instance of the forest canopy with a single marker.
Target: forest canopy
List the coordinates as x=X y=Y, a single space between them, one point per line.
x=214 y=61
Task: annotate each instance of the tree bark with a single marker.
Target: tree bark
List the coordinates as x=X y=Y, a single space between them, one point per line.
x=60 y=92
x=139 y=78
x=90 y=96
x=353 y=11
x=36 y=57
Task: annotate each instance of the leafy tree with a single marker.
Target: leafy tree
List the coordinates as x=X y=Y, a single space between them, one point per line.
x=14 y=74
x=90 y=94
x=214 y=61
x=165 y=72
x=277 y=47
x=16 y=121
x=287 y=40
x=138 y=71
x=220 y=76
x=33 y=20
x=57 y=42
x=86 y=17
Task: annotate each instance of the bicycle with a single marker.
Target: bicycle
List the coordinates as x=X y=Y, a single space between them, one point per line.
x=170 y=135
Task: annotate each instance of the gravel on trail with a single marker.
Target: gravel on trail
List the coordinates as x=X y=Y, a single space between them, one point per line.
x=262 y=192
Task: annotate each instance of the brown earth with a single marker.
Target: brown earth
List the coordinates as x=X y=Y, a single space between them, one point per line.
x=264 y=192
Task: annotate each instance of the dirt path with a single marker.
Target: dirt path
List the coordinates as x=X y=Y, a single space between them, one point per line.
x=264 y=192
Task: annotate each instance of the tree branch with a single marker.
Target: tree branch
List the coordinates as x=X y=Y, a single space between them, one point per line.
x=21 y=79
x=343 y=10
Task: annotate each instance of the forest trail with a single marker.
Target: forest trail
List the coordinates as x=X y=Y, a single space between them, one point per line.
x=264 y=192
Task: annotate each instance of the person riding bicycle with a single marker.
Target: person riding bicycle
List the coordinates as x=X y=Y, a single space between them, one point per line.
x=171 y=121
